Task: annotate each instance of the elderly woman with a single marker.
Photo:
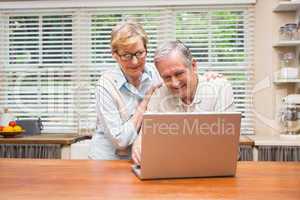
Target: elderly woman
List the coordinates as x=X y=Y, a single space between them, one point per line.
x=122 y=94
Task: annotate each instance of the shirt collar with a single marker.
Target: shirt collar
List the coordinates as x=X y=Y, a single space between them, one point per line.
x=147 y=74
x=121 y=80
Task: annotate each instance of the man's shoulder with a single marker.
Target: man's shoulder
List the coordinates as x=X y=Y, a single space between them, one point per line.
x=162 y=100
x=162 y=92
x=217 y=82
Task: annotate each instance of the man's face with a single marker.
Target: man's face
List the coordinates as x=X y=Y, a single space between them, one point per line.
x=178 y=77
x=132 y=59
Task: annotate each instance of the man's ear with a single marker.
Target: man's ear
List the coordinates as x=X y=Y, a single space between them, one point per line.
x=194 y=65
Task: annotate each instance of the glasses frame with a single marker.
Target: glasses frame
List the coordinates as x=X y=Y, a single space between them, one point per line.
x=139 y=55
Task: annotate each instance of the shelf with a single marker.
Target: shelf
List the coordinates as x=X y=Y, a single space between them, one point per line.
x=277 y=80
x=281 y=81
x=291 y=43
x=276 y=140
x=287 y=6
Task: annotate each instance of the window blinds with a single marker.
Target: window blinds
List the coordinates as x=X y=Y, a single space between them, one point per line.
x=222 y=41
x=53 y=58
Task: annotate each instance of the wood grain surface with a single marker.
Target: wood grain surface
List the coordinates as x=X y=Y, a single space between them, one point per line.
x=85 y=179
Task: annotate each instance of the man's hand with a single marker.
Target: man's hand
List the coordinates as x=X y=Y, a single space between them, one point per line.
x=136 y=150
x=211 y=75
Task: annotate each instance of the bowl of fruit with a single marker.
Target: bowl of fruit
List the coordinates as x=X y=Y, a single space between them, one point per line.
x=11 y=130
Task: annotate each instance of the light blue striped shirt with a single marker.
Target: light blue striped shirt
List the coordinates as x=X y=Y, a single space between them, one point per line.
x=113 y=132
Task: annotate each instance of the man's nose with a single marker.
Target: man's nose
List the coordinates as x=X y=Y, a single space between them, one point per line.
x=175 y=82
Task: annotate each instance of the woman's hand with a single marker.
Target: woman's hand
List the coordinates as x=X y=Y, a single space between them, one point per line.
x=137 y=118
x=147 y=97
x=211 y=75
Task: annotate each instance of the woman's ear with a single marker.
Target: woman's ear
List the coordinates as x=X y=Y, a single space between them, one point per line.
x=114 y=54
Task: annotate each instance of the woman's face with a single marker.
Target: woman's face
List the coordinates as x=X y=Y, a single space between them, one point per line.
x=132 y=59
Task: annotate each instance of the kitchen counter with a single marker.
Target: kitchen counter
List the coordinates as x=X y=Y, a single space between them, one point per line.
x=87 y=179
x=63 y=139
x=59 y=146
x=276 y=147
x=40 y=146
x=245 y=140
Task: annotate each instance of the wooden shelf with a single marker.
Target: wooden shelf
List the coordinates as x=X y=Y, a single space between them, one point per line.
x=290 y=43
x=287 y=6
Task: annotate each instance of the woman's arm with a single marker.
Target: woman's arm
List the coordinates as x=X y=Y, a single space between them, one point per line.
x=122 y=134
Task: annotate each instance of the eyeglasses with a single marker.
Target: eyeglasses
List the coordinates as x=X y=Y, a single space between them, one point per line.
x=129 y=56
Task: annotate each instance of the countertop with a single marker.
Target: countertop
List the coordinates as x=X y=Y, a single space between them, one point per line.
x=64 y=139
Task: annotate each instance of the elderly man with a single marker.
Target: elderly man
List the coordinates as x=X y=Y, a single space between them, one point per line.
x=184 y=90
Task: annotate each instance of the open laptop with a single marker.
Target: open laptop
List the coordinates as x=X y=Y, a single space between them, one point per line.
x=180 y=145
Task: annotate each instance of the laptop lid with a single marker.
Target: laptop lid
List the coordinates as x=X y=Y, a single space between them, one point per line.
x=178 y=145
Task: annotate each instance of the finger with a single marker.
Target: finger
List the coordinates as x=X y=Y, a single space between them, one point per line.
x=151 y=90
x=138 y=158
x=158 y=86
x=135 y=161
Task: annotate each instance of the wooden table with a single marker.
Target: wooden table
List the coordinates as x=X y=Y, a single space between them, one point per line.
x=77 y=179
x=65 y=140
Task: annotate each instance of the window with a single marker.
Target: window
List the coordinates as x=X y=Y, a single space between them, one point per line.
x=52 y=59
x=221 y=40
x=39 y=73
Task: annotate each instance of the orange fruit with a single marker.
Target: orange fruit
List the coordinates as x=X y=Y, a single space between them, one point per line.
x=8 y=129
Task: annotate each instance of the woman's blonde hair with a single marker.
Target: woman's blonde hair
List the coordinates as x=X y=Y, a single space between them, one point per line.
x=126 y=33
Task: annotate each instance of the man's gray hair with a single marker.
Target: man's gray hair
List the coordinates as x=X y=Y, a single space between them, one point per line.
x=166 y=48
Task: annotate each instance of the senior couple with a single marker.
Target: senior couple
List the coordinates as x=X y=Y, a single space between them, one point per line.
x=124 y=93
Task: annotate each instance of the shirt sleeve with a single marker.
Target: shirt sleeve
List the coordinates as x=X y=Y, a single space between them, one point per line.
x=225 y=102
x=122 y=134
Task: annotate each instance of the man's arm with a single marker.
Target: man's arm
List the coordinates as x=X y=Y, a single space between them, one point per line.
x=225 y=102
